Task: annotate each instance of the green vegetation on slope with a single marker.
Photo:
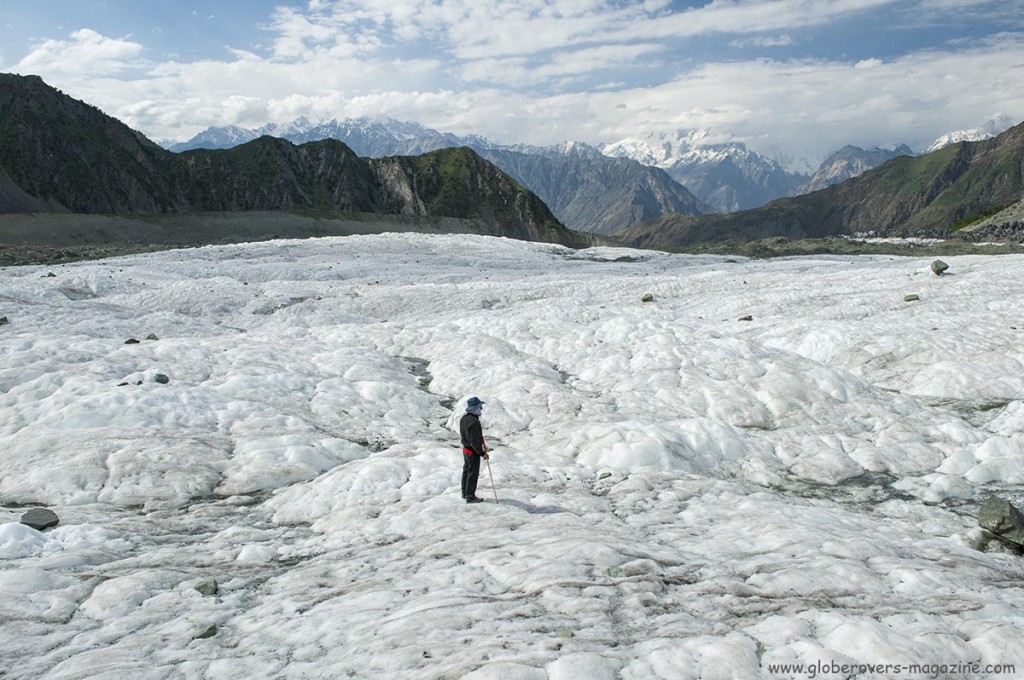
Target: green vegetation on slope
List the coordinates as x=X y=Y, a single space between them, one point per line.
x=60 y=154
x=924 y=195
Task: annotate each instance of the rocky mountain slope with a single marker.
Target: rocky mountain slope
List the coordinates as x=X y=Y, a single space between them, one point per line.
x=1007 y=223
x=584 y=188
x=70 y=156
x=58 y=154
x=929 y=194
x=459 y=183
x=850 y=161
x=599 y=194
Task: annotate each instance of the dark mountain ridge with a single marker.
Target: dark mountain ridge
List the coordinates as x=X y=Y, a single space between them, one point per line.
x=71 y=157
x=58 y=154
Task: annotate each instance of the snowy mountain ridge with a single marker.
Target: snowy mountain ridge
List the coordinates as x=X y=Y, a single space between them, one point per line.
x=225 y=137
x=377 y=136
x=991 y=128
x=667 y=149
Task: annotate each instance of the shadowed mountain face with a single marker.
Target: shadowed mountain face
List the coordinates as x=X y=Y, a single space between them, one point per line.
x=926 y=194
x=13 y=199
x=272 y=174
x=596 y=193
x=58 y=154
x=72 y=157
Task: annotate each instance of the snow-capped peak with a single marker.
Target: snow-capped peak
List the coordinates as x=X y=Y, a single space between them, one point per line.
x=634 y=148
x=991 y=128
x=667 y=149
x=300 y=125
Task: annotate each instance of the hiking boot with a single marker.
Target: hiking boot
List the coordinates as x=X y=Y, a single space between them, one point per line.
x=474 y=499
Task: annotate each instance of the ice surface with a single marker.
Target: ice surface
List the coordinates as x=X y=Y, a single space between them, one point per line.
x=682 y=494
x=18 y=540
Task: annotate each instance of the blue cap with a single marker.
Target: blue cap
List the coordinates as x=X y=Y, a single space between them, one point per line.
x=474 y=403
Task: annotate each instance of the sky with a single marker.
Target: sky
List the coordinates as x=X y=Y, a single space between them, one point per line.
x=794 y=79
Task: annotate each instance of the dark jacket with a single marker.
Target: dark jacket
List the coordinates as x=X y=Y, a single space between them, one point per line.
x=472 y=435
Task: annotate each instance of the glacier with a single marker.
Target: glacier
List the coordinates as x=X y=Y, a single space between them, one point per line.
x=772 y=462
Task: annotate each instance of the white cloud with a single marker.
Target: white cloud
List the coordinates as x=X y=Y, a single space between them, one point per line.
x=528 y=40
x=471 y=29
x=299 y=36
x=519 y=71
x=806 y=108
x=869 y=63
x=491 y=29
x=812 y=107
x=748 y=16
x=952 y=4
x=86 y=53
x=542 y=71
x=764 y=41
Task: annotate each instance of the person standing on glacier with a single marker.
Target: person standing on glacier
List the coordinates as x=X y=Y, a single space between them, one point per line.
x=473 y=448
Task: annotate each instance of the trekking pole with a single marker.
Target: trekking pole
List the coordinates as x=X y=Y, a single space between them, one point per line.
x=491 y=474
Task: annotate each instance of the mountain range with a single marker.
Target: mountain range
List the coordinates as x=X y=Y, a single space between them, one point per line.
x=929 y=194
x=584 y=189
x=597 y=189
x=58 y=154
x=727 y=176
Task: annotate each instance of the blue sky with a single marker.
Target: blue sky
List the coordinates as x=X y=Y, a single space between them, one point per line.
x=795 y=79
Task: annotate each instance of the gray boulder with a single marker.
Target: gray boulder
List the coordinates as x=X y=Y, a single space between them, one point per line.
x=938 y=266
x=208 y=587
x=1002 y=519
x=205 y=632
x=911 y=297
x=648 y=297
x=40 y=518
x=3 y=321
